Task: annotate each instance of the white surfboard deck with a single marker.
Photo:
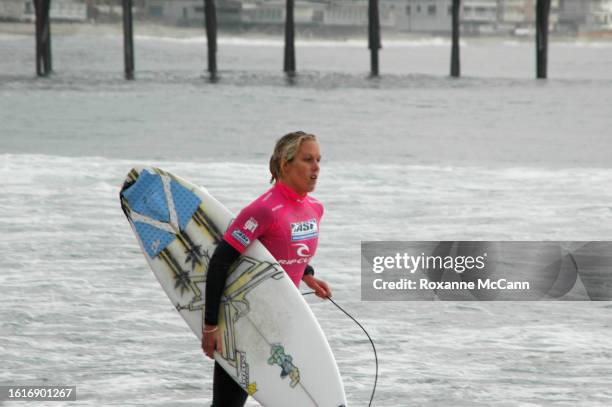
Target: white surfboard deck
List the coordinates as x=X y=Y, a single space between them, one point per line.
x=273 y=345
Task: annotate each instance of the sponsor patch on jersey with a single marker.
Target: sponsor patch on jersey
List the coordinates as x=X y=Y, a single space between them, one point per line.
x=251 y=225
x=241 y=237
x=304 y=230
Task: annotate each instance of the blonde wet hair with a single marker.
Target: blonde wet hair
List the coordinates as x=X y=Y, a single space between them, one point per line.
x=285 y=150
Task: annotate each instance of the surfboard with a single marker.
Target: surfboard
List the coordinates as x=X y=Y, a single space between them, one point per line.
x=273 y=345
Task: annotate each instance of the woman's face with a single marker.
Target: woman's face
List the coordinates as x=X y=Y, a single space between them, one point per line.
x=302 y=172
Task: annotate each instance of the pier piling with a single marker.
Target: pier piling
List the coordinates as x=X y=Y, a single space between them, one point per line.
x=210 y=15
x=373 y=36
x=542 y=16
x=128 y=39
x=289 y=59
x=43 y=38
x=455 y=70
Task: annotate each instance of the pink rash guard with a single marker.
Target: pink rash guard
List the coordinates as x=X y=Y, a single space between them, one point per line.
x=286 y=223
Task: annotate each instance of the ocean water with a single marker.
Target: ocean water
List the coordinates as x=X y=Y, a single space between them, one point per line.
x=413 y=155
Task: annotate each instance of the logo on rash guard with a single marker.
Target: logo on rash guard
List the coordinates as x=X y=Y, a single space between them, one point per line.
x=304 y=230
x=303 y=251
x=241 y=237
x=250 y=225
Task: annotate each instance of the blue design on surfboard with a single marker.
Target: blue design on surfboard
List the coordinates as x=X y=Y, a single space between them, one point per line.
x=280 y=358
x=185 y=201
x=148 y=198
x=153 y=239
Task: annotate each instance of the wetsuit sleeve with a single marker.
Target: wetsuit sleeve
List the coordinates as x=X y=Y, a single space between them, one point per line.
x=220 y=262
x=308 y=271
x=252 y=222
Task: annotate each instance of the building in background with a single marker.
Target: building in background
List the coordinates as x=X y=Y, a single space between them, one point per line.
x=259 y=13
x=585 y=16
x=354 y=13
x=176 y=12
x=573 y=14
x=514 y=17
x=60 y=10
x=479 y=16
x=601 y=16
x=430 y=16
x=12 y=10
x=519 y=16
x=435 y=16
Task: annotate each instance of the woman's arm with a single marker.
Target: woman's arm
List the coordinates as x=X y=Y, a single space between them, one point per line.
x=221 y=261
x=320 y=287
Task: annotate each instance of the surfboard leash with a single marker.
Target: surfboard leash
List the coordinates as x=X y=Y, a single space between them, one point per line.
x=369 y=338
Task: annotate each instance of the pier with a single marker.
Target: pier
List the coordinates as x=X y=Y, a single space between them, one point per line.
x=44 y=56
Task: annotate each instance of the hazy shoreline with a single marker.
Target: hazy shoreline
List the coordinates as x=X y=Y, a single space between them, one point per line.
x=160 y=30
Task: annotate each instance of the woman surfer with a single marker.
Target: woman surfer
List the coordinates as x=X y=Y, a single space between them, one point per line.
x=285 y=219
